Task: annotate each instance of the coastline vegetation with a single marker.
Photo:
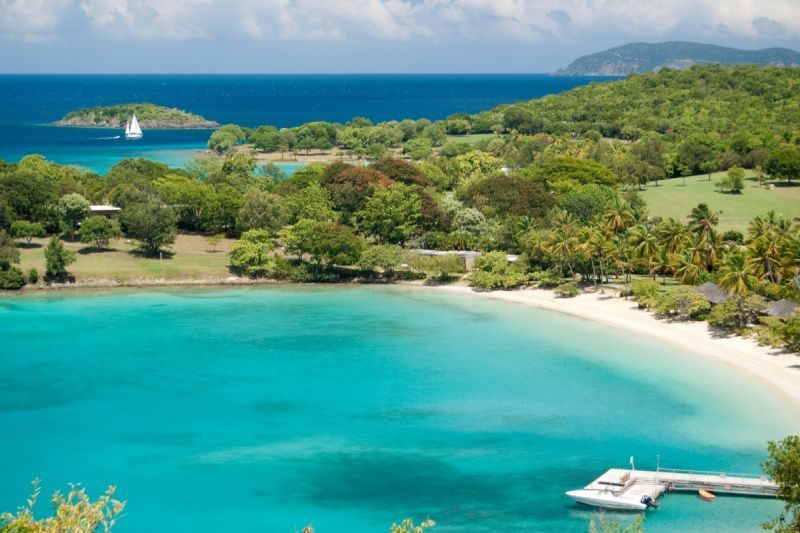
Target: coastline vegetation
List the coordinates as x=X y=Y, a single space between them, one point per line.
x=149 y=116
x=562 y=184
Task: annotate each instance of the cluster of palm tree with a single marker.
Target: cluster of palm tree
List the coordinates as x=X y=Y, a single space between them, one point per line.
x=625 y=241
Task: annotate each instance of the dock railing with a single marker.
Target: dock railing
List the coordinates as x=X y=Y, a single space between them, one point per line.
x=709 y=473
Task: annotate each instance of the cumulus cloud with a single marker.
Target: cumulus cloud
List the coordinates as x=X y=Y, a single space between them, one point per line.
x=31 y=20
x=404 y=20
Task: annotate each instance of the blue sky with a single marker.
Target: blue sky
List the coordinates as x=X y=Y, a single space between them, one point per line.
x=365 y=35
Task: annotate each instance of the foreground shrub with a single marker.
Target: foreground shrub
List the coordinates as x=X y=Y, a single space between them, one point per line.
x=493 y=271
x=645 y=292
x=437 y=267
x=737 y=312
x=12 y=279
x=567 y=290
x=57 y=259
x=386 y=257
x=74 y=512
x=547 y=278
x=252 y=254
x=33 y=276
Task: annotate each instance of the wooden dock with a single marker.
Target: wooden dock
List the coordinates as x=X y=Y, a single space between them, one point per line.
x=633 y=484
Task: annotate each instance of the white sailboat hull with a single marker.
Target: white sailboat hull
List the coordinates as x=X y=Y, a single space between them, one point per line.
x=133 y=135
x=606 y=500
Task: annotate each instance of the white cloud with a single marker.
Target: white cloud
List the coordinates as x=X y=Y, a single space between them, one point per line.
x=31 y=20
x=405 y=20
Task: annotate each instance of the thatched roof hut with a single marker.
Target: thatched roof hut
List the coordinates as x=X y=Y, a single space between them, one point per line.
x=712 y=292
x=782 y=308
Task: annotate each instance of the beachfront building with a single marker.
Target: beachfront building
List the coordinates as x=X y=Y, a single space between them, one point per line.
x=108 y=211
x=712 y=292
x=782 y=309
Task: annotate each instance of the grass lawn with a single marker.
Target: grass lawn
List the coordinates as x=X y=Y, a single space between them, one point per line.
x=671 y=198
x=470 y=139
x=192 y=258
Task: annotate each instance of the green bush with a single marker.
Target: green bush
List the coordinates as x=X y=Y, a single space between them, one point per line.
x=567 y=290
x=682 y=302
x=33 y=276
x=547 y=278
x=645 y=292
x=12 y=279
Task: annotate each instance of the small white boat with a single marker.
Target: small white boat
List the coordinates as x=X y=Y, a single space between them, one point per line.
x=132 y=129
x=606 y=499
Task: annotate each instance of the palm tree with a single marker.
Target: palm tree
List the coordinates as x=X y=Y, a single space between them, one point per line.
x=563 y=246
x=673 y=235
x=761 y=227
x=618 y=217
x=687 y=271
x=702 y=220
x=645 y=245
x=735 y=275
x=764 y=257
x=664 y=264
x=596 y=245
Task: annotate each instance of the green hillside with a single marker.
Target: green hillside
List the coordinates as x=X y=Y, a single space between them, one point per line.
x=149 y=116
x=643 y=57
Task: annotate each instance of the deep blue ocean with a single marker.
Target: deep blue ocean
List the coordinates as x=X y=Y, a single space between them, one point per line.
x=28 y=103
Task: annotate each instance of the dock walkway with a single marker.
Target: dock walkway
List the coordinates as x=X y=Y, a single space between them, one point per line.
x=636 y=483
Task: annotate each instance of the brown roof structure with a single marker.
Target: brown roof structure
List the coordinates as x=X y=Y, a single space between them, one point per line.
x=782 y=308
x=712 y=292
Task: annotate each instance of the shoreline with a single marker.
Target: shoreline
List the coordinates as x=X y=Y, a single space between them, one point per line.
x=776 y=367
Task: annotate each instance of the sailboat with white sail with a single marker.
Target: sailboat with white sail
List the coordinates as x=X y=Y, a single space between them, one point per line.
x=132 y=129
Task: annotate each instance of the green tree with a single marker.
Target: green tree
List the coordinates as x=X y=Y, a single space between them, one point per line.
x=391 y=214
x=386 y=257
x=784 y=164
x=313 y=203
x=327 y=243
x=252 y=253
x=737 y=312
x=783 y=466
x=152 y=224
x=99 y=230
x=681 y=302
x=735 y=177
x=57 y=259
x=74 y=208
x=419 y=148
x=214 y=240
x=22 y=229
x=9 y=254
x=221 y=141
x=263 y=210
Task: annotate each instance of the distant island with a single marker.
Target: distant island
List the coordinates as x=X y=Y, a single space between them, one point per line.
x=644 y=57
x=149 y=115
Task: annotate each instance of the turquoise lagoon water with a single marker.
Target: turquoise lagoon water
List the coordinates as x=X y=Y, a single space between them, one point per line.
x=264 y=409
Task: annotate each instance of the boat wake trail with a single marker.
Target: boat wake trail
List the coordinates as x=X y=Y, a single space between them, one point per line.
x=107 y=138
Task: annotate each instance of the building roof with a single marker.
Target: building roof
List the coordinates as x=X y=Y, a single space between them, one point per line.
x=713 y=292
x=94 y=208
x=782 y=308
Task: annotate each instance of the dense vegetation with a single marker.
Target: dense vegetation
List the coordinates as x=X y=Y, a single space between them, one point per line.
x=149 y=116
x=643 y=57
x=547 y=185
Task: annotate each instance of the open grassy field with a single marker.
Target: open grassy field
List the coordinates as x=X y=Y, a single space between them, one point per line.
x=671 y=198
x=471 y=138
x=191 y=258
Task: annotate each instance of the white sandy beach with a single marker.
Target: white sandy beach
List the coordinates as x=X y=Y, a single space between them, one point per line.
x=782 y=370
